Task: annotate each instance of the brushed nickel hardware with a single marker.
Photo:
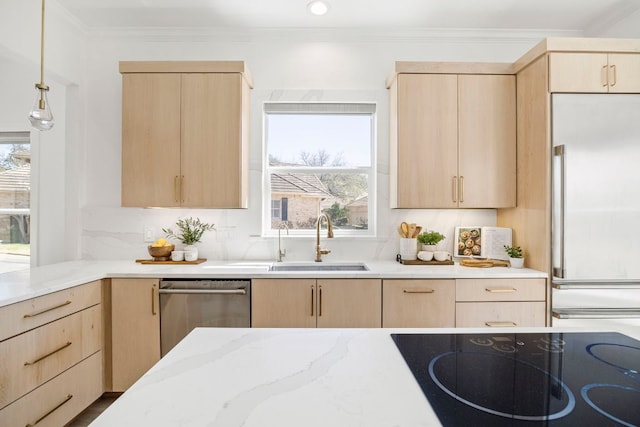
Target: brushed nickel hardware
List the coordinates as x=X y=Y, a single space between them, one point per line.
x=153 y=300
x=48 y=354
x=45 y=310
x=461 y=189
x=501 y=324
x=176 y=189
x=501 y=290
x=454 y=188
x=68 y=398
x=559 y=151
x=320 y=301
x=604 y=76
x=312 y=301
x=615 y=75
x=319 y=250
x=418 y=291
x=204 y=291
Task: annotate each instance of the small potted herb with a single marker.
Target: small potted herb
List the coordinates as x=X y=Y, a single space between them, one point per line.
x=189 y=232
x=516 y=257
x=430 y=239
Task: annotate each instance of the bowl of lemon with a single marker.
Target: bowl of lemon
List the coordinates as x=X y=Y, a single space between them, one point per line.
x=161 y=250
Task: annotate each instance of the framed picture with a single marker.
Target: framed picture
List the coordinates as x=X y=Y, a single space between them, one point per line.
x=468 y=242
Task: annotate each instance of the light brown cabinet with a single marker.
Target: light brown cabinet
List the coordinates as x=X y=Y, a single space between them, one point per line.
x=135 y=330
x=500 y=302
x=185 y=134
x=594 y=72
x=45 y=342
x=453 y=141
x=310 y=303
x=418 y=303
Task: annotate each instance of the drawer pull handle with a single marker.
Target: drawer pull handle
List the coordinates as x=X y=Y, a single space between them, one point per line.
x=501 y=324
x=48 y=354
x=418 y=291
x=501 y=290
x=153 y=300
x=68 y=398
x=45 y=310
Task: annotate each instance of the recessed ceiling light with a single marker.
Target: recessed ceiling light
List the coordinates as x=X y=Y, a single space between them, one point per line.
x=318 y=7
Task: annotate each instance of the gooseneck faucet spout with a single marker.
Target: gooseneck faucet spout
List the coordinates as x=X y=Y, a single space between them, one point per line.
x=282 y=252
x=319 y=250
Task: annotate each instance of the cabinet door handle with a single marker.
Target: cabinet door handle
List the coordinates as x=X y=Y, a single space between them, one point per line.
x=418 y=291
x=66 y=399
x=501 y=290
x=33 y=362
x=461 y=192
x=37 y=313
x=176 y=189
x=501 y=324
x=454 y=189
x=615 y=75
x=604 y=76
x=312 y=302
x=153 y=300
x=320 y=301
x=181 y=188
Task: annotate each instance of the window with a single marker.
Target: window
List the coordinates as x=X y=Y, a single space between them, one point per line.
x=15 y=195
x=319 y=159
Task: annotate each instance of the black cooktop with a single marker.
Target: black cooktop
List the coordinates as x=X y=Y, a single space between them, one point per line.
x=527 y=379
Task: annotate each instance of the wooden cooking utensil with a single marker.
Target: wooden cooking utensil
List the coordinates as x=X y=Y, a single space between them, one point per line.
x=405 y=229
x=417 y=232
x=412 y=229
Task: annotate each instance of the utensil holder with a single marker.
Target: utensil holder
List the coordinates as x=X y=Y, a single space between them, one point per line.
x=408 y=248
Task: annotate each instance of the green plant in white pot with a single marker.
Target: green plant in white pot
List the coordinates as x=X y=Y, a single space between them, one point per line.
x=189 y=233
x=516 y=256
x=430 y=239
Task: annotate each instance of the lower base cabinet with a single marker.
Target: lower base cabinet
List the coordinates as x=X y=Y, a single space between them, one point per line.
x=310 y=303
x=58 y=401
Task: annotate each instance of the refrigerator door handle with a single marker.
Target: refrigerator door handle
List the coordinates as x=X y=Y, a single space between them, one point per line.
x=559 y=270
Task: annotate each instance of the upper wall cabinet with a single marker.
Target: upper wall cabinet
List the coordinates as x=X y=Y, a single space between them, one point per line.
x=594 y=72
x=453 y=138
x=185 y=134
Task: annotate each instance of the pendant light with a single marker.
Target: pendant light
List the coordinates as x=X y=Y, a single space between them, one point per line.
x=41 y=116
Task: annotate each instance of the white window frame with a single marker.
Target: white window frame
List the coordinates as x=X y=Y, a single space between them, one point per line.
x=362 y=108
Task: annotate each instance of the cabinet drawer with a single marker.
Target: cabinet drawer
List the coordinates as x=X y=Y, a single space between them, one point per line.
x=30 y=359
x=499 y=314
x=23 y=316
x=418 y=303
x=58 y=401
x=500 y=289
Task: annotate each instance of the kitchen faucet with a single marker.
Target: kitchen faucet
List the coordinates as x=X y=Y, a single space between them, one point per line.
x=282 y=252
x=320 y=251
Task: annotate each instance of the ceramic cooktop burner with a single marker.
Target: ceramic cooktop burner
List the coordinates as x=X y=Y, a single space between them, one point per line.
x=529 y=379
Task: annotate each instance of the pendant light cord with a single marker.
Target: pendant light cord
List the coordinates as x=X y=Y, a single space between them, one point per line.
x=42 y=46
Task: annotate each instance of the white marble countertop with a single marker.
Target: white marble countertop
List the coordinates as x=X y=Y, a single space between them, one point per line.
x=276 y=377
x=25 y=284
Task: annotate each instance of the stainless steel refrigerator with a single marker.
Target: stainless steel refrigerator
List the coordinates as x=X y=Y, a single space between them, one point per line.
x=596 y=211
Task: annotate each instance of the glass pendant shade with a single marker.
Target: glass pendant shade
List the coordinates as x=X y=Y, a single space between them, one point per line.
x=41 y=116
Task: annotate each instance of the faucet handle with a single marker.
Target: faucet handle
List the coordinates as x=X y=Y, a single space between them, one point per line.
x=324 y=251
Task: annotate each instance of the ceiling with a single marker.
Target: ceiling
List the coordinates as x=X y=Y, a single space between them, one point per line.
x=579 y=17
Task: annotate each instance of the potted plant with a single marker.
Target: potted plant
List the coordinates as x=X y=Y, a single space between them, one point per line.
x=430 y=239
x=516 y=258
x=189 y=233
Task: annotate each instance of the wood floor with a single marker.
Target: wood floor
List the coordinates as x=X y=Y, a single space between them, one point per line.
x=92 y=412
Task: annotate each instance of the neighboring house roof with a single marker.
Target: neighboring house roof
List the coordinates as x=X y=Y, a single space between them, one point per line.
x=362 y=201
x=17 y=179
x=298 y=183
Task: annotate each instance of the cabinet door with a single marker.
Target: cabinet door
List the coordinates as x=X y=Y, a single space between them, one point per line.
x=283 y=303
x=427 y=147
x=499 y=314
x=578 y=72
x=349 y=303
x=213 y=157
x=150 y=139
x=487 y=141
x=418 y=303
x=135 y=329
x=624 y=73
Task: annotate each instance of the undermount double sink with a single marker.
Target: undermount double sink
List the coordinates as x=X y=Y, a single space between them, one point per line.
x=319 y=267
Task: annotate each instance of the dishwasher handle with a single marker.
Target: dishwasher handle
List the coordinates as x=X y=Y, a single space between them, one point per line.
x=204 y=291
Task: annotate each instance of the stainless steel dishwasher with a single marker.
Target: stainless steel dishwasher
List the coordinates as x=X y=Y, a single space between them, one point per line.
x=187 y=304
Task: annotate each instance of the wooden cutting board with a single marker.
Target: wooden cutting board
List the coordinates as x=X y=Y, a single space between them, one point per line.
x=150 y=261
x=484 y=263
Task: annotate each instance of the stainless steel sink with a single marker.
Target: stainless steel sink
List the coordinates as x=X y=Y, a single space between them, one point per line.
x=319 y=267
